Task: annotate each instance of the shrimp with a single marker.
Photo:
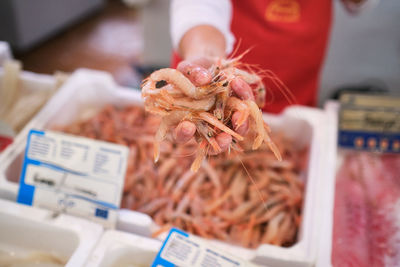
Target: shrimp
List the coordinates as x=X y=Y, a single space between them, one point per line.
x=204 y=104
x=272 y=146
x=271 y=233
x=220 y=104
x=165 y=76
x=214 y=121
x=236 y=104
x=259 y=122
x=172 y=119
x=201 y=154
x=208 y=134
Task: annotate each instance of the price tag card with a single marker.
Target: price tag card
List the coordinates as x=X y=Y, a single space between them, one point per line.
x=369 y=122
x=73 y=175
x=182 y=249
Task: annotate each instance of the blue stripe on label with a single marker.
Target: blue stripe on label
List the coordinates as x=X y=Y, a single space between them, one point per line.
x=98 y=202
x=159 y=261
x=372 y=141
x=26 y=192
x=58 y=168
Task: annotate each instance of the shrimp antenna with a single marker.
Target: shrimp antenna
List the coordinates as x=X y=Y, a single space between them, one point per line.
x=282 y=87
x=236 y=49
x=244 y=53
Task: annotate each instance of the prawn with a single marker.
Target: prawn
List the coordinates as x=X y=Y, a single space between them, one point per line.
x=235 y=104
x=172 y=119
x=162 y=77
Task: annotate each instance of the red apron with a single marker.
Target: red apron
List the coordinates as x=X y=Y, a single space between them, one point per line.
x=288 y=37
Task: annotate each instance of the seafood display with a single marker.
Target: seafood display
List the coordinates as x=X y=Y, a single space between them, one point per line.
x=245 y=198
x=210 y=106
x=366 y=230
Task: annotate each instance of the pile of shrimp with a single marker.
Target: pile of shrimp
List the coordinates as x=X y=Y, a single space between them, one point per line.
x=245 y=198
x=169 y=93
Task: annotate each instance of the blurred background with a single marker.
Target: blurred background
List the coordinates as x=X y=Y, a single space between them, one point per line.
x=130 y=38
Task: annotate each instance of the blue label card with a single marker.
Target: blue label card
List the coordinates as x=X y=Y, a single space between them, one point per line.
x=73 y=175
x=182 y=249
x=369 y=122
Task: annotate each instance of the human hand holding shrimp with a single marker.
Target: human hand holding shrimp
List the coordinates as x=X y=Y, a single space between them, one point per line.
x=197 y=71
x=207 y=97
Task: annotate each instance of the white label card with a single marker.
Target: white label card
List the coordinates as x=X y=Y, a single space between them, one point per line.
x=182 y=249
x=74 y=175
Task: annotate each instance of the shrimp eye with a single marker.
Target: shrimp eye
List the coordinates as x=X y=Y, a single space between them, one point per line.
x=161 y=83
x=225 y=84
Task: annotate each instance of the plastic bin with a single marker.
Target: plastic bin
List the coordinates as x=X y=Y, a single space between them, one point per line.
x=88 y=91
x=25 y=230
x=123 y=249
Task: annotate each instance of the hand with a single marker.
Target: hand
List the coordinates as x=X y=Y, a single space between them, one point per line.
x=197 y=71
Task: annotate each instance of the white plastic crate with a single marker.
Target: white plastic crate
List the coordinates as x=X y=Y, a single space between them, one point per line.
x=117 y=248
x=25 y=230
x=88 y=91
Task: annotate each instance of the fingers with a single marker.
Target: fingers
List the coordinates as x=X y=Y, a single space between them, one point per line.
x=184 y=131
x=242 y=129
x=197 y=74
x=242 y=89
x=224 y=141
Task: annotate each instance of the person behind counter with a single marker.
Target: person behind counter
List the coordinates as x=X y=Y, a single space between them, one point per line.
x=288 y=37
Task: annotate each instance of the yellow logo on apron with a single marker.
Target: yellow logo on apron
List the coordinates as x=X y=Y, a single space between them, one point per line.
x=283 y=11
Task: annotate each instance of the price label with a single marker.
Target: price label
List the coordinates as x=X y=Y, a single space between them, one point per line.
x=182 y=249
x=73 y=175
x=369 y=122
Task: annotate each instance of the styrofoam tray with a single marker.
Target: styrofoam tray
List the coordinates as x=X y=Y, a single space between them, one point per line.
x=87 y=91
x=119 y=249
x=29 y=82
x=333 y=164
x=32 y=82
x=25 y=229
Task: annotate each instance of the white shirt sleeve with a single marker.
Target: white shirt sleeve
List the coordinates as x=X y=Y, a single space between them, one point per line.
x=186 y=14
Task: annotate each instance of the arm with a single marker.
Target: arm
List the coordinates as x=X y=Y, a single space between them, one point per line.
x=206 y=18
x=202 y=41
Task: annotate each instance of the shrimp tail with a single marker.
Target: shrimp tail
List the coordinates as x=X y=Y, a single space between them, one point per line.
x=214 y=144
x=259 y=122
x=201 y=154
x=273 y=147
x=257 y=142
x=156 y=151
x=242 y=118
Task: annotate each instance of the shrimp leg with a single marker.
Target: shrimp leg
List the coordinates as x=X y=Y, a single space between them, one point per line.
x=214 y=121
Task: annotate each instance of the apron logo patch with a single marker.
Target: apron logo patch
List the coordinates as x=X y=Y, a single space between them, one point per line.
x=283 y=11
